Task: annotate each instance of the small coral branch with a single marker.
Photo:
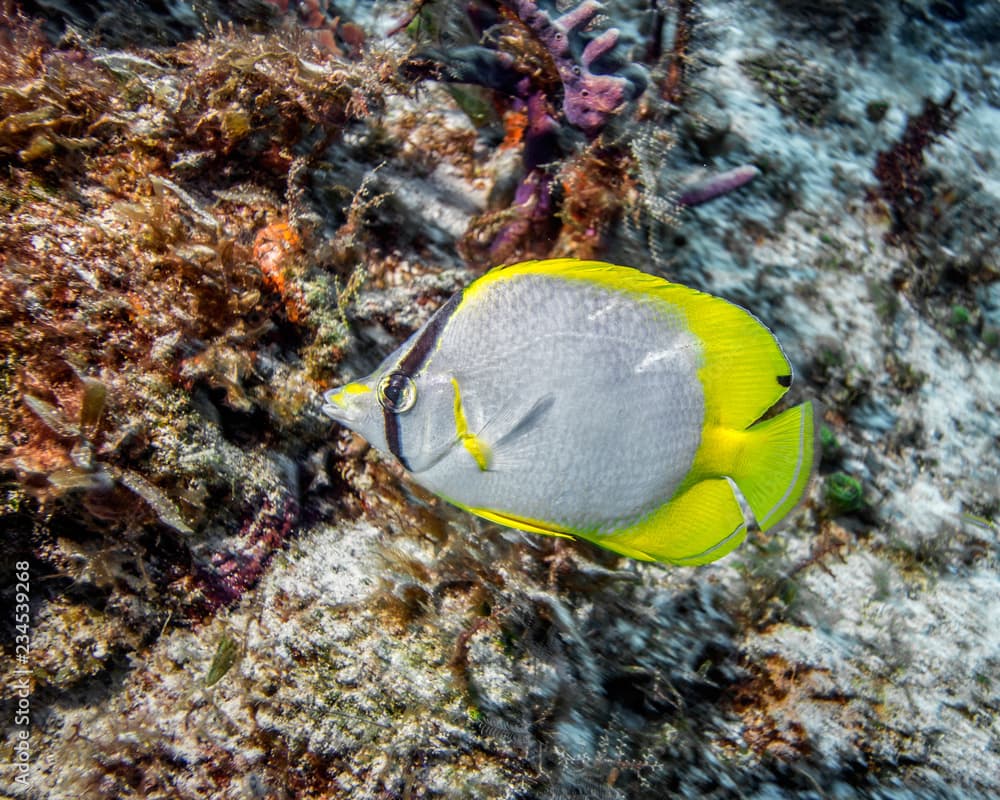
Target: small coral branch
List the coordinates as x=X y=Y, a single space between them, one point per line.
x=718 y=185
x=590 y=99
x=520 y=66
x=670 y=66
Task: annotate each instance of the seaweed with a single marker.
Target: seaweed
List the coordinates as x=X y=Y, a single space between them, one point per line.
x=164 y=292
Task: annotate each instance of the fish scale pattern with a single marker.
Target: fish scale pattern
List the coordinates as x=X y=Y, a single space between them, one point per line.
x=613 y=438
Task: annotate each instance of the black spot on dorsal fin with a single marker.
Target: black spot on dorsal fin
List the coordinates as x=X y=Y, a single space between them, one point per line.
x=785 y=380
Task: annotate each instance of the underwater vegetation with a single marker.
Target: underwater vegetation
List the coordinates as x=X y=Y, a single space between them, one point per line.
x=137 y=311
x=211 y=213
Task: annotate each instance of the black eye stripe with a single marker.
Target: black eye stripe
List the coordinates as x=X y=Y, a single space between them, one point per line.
x=392 y=438
x=409 y=365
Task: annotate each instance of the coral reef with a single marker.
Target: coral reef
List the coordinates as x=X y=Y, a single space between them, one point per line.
x=141 y=330
x=589 y=99
x=533 y=54
x=204 y=225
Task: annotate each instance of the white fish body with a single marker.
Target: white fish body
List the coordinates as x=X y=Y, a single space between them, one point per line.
x=586 y=399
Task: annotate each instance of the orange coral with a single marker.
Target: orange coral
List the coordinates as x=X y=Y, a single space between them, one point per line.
x=274 y=249
x=515 y=123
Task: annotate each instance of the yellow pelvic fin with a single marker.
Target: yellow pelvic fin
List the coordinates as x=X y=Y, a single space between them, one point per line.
x=478 y=449
x=521 y=523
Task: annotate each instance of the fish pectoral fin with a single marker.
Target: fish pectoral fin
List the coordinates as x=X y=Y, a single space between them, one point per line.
x=504 y=441
x=522 y=424
x=520 y=523
x=699 y=524
x=509 y=433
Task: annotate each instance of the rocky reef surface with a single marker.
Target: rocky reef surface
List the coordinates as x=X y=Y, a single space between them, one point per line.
x=214 y=213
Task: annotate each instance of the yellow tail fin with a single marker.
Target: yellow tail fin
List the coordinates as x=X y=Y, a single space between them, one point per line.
x=769 y=464
x=773 y=466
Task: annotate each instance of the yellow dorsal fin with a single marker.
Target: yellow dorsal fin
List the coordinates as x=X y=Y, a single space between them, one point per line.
x=743 y=369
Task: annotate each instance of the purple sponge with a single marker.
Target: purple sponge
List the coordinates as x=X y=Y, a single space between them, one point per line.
x=589 y=99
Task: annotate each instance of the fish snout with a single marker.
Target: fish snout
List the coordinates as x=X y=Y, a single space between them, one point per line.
x=347 y=404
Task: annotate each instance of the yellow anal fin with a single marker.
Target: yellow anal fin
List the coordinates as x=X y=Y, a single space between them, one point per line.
x=754 y=478
x=478 y=449
x=700 y=524
x=521 y=523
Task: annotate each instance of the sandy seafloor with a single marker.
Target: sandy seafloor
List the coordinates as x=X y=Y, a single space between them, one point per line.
x=392 y=647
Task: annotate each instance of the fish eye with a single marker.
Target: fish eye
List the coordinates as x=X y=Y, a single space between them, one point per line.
x=397 y=392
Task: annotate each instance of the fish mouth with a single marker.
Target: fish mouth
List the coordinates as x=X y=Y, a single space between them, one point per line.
x=345 y=404
x=333 y=408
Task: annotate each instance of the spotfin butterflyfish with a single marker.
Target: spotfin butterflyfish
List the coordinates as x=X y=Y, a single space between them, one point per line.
x=583 y=399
